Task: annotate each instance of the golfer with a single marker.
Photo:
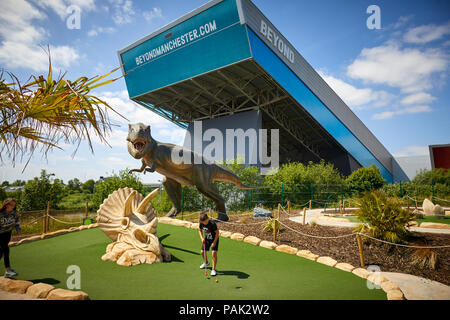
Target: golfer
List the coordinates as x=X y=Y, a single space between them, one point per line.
x=9 y=218
x=210 y=240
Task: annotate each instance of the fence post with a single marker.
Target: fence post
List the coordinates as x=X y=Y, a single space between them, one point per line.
x=289 y=207
x=282 y=192
x=311 y=189
x=361 y=257
x=275 y=220
x=310 y=204
x=408 y=202
x=45 y=222
x=304 y=215
x=342 y=192
x=432 y=190
x=251 y=199
x=87 y=209
x=415 y=199
x=182 y=202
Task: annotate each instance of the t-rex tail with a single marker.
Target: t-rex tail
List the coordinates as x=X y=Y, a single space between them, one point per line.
x=225 y=175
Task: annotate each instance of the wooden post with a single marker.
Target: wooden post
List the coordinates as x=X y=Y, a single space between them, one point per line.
x=304 y=215
x=46 y=218
x=310 y=204
x=86 y=212
x=408 y=203
x=361 y=257
x=415 y=199
x=289 y=207
x=343 y=206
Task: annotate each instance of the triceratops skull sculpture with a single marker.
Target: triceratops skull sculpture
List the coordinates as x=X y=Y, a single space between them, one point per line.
x=130 y=221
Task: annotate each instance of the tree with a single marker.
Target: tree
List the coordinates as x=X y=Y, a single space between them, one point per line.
x=104 y=188
x=46 y=111
x=435 y=176
x=73 y=185
x=18 y=183
x=40 y=190
x=88 y=186
x=5 y=183
x=3 y=195
x=366 y=179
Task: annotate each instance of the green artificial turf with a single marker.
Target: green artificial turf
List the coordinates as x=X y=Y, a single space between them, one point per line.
x=244 y=271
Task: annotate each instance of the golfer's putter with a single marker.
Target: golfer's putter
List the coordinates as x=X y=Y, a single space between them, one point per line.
x=204 y=257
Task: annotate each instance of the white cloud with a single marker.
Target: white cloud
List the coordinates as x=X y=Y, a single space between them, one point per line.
x=155 y=13
x=21 y=39
x=417 y=98
x=60 y=6
x=390 y=114
x=412 y=151
x=407 y=69
x=123 y=11
x=402 y=21
x=98 y=30
x=357 y=98
x=427 y=33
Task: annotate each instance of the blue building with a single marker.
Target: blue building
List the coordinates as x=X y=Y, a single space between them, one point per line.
x=227 y=65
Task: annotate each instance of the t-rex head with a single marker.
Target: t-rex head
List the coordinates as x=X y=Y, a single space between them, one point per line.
x=139 y=140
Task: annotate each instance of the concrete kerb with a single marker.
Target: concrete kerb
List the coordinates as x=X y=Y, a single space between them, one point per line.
x=393 y=291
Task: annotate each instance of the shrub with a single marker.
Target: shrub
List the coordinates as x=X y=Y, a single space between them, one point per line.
x=383 y=217
x=270 y=224
x=104 y=188
x=366 y=179
x=424 y=258
x=434 y=176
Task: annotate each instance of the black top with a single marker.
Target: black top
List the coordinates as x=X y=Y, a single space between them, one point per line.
x=9 y=220
x=210 y=230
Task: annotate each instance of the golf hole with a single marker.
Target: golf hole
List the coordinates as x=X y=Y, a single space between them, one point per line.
x=238 y=288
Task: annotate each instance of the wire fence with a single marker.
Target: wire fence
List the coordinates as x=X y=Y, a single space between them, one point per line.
x=327 y=196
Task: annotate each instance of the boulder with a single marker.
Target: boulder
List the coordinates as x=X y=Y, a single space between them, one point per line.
x=4 y=281
x=395 y=295
x=237 y=236
x=225 y=234
x=389 y=285
x=327 y=261
x=438 y=211
x=252 y=240
x=92 y=225
x=428 y=207
x=83 y=227
x=268 y=244
x=376 y=278
x=307 y=254
x=361 y=272
x=12 y=243
x=194 y=225
x=17 y=286
x=434 y=225
x=412 y=224
x=63 y=294
x=39 y=290
x=344 y=266
x=286 y=249
x=261 y=213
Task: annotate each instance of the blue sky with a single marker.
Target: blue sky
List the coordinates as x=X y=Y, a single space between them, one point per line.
x=394 y=79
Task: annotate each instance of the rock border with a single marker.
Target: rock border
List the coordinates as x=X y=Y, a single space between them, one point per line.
x=42 y=290
x=393 y=292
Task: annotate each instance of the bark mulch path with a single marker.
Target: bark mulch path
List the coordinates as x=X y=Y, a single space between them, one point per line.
x=388 y=257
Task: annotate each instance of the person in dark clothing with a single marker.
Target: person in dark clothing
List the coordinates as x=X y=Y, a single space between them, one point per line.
x=9 y=219
x=210 y=240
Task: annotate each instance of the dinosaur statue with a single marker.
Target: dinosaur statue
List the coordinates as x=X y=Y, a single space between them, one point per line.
x=157 y=156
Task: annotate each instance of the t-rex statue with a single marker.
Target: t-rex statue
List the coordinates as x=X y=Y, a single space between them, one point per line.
x=201 y=174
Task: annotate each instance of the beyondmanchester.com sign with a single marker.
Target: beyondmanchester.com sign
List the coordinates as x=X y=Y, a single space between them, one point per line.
x=177 y=42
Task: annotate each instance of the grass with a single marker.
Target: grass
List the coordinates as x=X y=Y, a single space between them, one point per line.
x=75 y=200
x=244 y=271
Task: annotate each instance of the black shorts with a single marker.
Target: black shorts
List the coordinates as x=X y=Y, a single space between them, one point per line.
x=208 y=245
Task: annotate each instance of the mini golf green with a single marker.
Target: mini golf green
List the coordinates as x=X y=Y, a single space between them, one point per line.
x=244 y=271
